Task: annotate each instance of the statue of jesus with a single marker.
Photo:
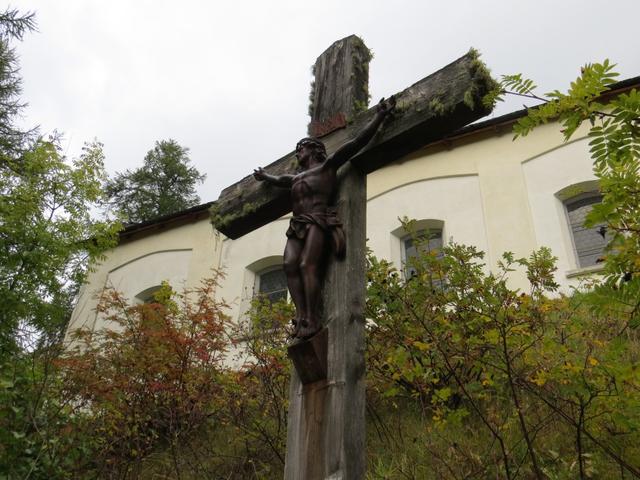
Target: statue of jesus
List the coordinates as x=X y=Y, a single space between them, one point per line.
x=315 y=224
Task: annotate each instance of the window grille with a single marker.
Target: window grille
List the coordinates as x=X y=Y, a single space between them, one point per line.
x=273 y=284
x=589 y=242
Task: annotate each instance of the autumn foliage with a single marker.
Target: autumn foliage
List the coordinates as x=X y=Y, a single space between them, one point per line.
x=173 y=387
x=150 y=377
x=493 y=382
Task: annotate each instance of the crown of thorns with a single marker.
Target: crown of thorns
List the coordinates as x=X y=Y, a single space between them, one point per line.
x=312 y=142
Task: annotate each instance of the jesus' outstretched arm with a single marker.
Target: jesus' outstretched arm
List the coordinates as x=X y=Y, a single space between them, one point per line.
x=283 y=181
x=349 y=149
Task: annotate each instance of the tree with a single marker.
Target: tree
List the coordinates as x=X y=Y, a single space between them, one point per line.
x=156 y=396
x=46 y=231
x=150 y=381
x=13 y=26
x=47 y=239
x=164 y=184
x=47 y=236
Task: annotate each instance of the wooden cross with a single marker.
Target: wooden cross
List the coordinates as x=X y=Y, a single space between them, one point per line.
x=326 y=418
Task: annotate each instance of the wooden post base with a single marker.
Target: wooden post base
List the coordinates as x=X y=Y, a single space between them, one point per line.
x=309 y=357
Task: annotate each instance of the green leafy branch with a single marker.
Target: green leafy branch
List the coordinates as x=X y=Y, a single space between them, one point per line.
x=579 y=103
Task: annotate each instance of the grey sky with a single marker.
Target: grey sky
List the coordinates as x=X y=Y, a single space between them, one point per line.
x=230 y=80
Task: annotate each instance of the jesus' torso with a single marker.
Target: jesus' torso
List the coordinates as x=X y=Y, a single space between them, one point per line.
x=312 y=190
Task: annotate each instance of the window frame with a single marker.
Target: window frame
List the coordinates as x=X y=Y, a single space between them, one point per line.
x=258 y=277
x=400 y=235
x=410 y=237
x=567 y=196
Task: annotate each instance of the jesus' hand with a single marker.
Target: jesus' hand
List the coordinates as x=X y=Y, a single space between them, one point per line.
x=385 y=107
x=259 y=174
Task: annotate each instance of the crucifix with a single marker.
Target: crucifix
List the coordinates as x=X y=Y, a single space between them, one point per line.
x=326 y=418
x=315 y=222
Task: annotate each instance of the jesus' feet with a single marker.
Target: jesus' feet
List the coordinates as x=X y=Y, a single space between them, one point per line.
x=297 y=322
x=307 y=328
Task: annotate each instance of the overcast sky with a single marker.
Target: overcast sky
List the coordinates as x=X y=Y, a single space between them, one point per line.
x=230 y=80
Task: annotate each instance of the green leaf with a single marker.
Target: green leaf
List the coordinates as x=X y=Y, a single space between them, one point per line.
x=5 y=383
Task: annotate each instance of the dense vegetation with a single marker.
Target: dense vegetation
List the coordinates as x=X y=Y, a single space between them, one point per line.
x=467 y=380
x=488 y=382
x=48 y=237
x=502 y=383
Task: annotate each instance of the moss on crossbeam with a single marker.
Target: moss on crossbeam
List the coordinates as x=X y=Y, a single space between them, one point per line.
x=431 y=109
x=221 y=221
x=482 y=82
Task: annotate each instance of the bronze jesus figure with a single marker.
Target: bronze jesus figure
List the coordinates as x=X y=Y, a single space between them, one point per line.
x=315 y=223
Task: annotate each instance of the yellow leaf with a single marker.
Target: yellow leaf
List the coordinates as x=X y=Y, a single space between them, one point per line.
x=539 y=378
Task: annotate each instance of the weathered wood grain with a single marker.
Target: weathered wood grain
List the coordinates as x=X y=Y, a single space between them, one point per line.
x=427 y=111
x=309 y=357
x=340 y=86
x=326 y=422
x=325 y=428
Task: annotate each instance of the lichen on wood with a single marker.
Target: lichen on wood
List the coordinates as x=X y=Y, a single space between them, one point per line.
x=220 y=221
x=340 y=89
x=427 y=111
x=361 y=57
x=436 y=107
x=481 y=75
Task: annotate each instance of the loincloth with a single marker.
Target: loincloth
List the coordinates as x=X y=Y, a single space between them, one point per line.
x=328 y=221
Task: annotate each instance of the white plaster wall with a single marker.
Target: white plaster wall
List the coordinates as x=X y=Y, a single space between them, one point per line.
x=509 y=206
x=496 y=162
x=491 y=192
x=243 y=258
x=477 y=188
x=183 y=256
x=547 y=174
x=240 y=260
x=455 y=200
x=151 y=270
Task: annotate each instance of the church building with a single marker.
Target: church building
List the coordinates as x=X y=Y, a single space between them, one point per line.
x=471 y=184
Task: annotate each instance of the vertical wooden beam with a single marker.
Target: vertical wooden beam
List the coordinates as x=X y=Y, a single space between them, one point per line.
x=326 y=423
x=341 y=85
x=344 y=299
x=326 y=419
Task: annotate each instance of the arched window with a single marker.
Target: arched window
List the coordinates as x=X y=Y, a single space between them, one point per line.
x=148 y=294
x=588 y=243
x=428 y=240
x=428 y=235
x=272 y=283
